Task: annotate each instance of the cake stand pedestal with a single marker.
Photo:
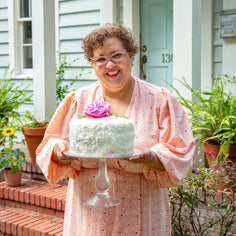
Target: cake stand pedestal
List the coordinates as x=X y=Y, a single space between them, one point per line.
x=102 y=197
x=102 y=184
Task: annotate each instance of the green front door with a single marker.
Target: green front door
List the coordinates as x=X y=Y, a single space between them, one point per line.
x=157 y=41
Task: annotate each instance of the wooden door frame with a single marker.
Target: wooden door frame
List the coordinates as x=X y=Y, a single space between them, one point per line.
x=182 y=37
x=132 y=20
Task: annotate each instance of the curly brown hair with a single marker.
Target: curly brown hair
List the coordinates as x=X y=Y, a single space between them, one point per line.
x=95 y=39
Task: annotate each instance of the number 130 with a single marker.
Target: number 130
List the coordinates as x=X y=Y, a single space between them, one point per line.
x=167 y=58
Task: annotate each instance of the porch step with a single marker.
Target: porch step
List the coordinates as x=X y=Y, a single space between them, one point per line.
x=15 y=221
x=34 y=208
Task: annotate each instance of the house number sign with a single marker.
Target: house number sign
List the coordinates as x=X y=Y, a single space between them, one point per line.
x=167 y=57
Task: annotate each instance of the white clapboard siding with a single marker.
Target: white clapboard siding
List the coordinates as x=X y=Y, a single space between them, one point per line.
x=79 y=84
x=2 y=70
x=4 y=49
x=4 y=36
x=3 y=13
x=75 y=32
x=24 y=83
x=77 y=60
x=78 y=6
x=4 y=25
x=76 y=19
x=79 y=73
x=3 y=3
x=4 y=60
x=74 y=86
x=71 y=45
x=21 y=83
x=217 y=41
x=4 y=45
x=79 y=18
x=26 y=107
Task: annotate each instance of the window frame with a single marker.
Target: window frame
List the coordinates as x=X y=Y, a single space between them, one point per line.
x=16 y=27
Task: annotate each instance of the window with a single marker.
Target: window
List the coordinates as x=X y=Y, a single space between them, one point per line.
x=24 y=23
x=20 y=37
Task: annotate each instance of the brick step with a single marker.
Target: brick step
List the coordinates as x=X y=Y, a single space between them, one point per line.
x=34 y=208
x=18 y=222
x=34 y=195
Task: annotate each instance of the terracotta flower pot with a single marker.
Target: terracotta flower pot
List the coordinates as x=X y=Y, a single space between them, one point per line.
x=232 y=153
x=33 y=137
x=11 y=179
x=208 y=148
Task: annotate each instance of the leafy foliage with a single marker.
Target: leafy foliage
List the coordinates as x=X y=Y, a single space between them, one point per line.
x=212 y=112
x=30 y=121
x=196 y=210
x=13 y=159
x=12 y=96
x=62 y=90
x=10 y=157
x=61 y=87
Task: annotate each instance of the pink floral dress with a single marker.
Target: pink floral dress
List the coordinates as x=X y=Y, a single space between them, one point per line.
x=161 y=125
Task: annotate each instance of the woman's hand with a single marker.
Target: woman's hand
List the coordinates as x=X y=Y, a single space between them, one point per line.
x=149 y=158
x=59 y=157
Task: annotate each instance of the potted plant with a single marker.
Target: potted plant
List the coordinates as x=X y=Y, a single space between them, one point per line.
x=12 y=96
x=212 y=113
x=33 y=131
x=11 y=160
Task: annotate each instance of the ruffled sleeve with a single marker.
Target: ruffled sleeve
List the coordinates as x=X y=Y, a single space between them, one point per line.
x=176 y=145
x=56 y=132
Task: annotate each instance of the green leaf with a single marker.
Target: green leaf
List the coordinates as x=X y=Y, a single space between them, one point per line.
x=12 y=96
x=15 y=153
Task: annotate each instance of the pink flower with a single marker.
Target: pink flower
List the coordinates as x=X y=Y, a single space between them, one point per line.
x=110 y=154
x=212 y=154
x=97 y=110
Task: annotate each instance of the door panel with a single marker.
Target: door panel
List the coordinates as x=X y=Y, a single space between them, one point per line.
x=157 y=36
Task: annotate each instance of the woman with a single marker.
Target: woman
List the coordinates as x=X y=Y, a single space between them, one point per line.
x=162 y=134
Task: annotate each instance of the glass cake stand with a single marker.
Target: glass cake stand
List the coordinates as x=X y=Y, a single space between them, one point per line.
x=102 y=197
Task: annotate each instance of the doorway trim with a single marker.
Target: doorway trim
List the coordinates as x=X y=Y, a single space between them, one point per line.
x=182 y=38
x=132 y=20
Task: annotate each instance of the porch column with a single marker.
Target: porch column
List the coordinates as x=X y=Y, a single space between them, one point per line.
x=182 y=43
x=108 y=11
x=44 y=57
x=131 y=14
x=206 y=44
x=229 y=45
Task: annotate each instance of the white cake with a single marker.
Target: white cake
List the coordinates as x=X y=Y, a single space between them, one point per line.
x=102 y=137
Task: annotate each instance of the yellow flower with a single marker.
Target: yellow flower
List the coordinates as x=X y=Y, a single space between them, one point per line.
x=8 y=131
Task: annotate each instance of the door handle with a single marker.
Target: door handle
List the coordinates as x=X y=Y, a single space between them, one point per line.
x=143 y=61
x=144 y=48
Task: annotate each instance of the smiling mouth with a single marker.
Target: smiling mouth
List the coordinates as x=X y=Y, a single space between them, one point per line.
x=113 y=74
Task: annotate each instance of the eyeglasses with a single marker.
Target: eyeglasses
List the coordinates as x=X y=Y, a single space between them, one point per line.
x=116 y=57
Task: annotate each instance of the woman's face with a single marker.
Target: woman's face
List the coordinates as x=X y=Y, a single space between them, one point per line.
x=113 y=76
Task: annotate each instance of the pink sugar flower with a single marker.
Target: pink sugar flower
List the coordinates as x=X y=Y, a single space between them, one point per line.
x=97 y=110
